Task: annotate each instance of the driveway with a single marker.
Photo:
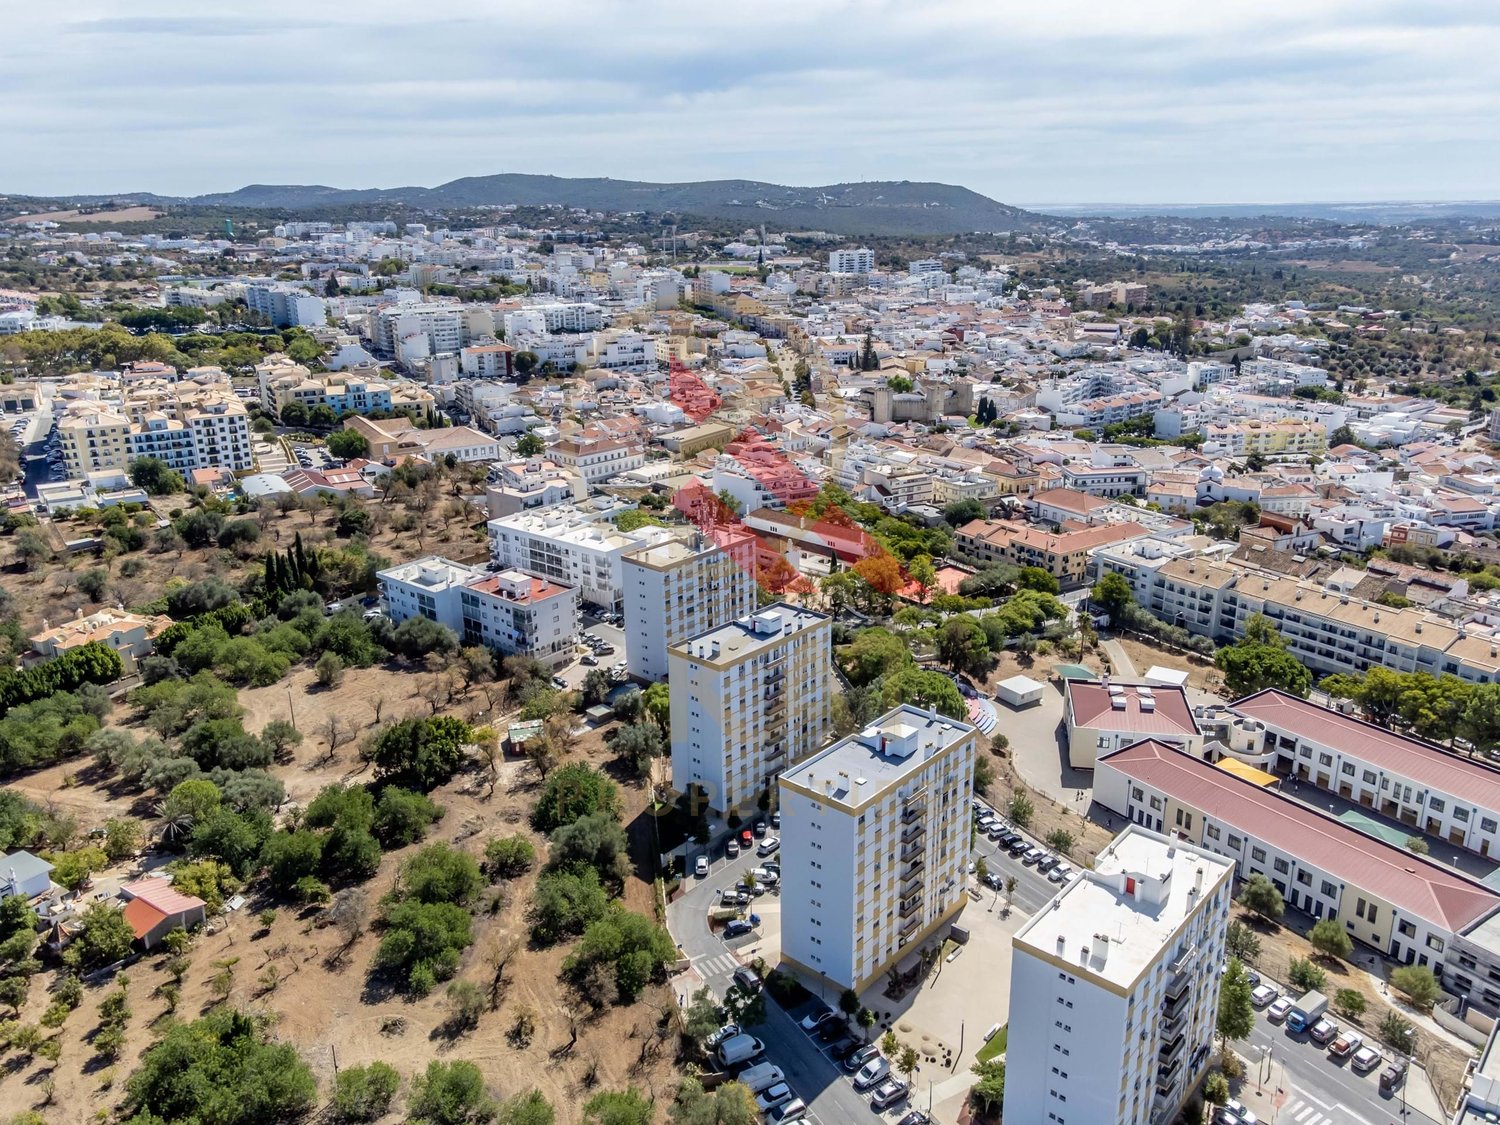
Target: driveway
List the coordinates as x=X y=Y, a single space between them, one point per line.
x=1038 y=749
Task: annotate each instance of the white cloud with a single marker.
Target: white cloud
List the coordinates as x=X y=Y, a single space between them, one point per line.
x=1072 y=100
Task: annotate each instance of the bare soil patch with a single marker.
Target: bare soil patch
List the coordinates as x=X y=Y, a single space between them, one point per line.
x=120 y=215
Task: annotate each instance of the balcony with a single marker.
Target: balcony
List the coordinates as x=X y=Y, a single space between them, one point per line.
x=915 y=832
x=1171 y=1046
x=905 y=933
x=909 y=906
x=1185 y=960
x=1173 y=1008
x=1168 y=1073
x=912 y=813
x=911 y=883
x=1178 y=984
x=911 y=850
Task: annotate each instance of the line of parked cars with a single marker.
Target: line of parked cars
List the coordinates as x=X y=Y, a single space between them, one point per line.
x=1341 y=1043
x=989 y=824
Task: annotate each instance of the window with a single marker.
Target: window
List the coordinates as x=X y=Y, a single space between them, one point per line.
x=1235 y=842
x=1434 y=942
x=1136 y=794
x=1258 y=855
x=1368 y=777
x=1325 y=759
x=1436 y=804
x=1282 y=866
x=1211 y=831
x=1461 y=815
x=1304 y=878
x=1487 y=824
x=1406 y=929
x=1327 y=890
x=1359 y=908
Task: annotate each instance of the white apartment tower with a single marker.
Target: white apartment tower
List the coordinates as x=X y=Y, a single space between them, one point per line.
x=1118 y=977
x=748 y=699
x=861 y=260
x=874 y=845
x=680 y=588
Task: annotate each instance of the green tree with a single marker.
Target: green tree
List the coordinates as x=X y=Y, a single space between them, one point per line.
x=1242 y=942
x=1236 y=1009
x=154 y=476
x=218 y=1070
x=450 y=1093
x=1398 y=1032
x=633 y=949
x=364 y=1093
x=1021 y=810
x=575 y=790
x=1216 y=1088
x=596 y=841
x=422 y=943
x=1060 y=840
x=961 y=512
x=1305 y=975
x=729 y=1104
x=564 y=904
x=439 y=873
x=1349 y=1002
x=1418 y=984
x=988 y=1093
x=1330 y=939
x=984 y=775
x=420 y=754
x=348 y=444
x=101 y=937
x=874 y=653
x=509 y=857
x=703 y=1016
x=962 y=646
x=619 y=1107
x=922 y=689
x=403 y=817
x=530 y=1108
x=1112 y=594
x=1261 y=896
x=1250 y=666
x=529 y=445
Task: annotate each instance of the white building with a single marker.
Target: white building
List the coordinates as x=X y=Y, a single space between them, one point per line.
x=509 y=611
x=1118 y=981
x=748 y=699
x=874 y=845
x=286 y=306
x=861 y=260
x=598 y=459
x=567 y=546
x=682 y=587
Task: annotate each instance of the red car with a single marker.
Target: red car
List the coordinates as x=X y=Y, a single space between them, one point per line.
x=747 y=837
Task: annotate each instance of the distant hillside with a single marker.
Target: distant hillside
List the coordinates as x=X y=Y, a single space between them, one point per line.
x=1388 y=213
x=894 y=207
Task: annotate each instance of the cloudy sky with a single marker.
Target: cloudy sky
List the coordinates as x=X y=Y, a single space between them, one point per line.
x=1063 y=101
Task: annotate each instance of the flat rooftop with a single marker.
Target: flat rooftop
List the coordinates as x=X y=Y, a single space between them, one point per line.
x=766 y=627
x=1112 y=929
x=860 y=766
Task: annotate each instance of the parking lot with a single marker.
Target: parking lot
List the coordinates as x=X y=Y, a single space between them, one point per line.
x=595 y=638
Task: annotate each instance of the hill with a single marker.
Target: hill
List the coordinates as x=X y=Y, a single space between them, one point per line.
x=877 y=207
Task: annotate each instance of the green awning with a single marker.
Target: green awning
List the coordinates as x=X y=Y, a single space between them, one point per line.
x=1377 y=828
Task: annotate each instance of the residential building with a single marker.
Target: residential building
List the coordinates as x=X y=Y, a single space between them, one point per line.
x=154 y=908
x=598 y=459
x=748 y=699
x=286 y=306
x=1065 y=555
x=567 y=546
x=1118 y=980
x=191 y=430
x=681 y=587
x=861 y=260
x=1429 y=789
x=875 y=845
x=1102 y=717
x=520 y=486
x=24 y=874
x=488 y=361
x=132 y=635
x=1388 y=898
x=509 y=611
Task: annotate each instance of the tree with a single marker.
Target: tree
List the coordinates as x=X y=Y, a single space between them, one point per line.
x=509 y=857
x=961 y=512
x=574 y=791
x=466 y=1002
x=530 y=1108
x=1216 y=1088
x=221 y=1070
x=101 y=937
x=1242 y=942
x=729 y=1104
x=1261 y=896
x=922 y=689
x=988 y=1094
x=420 y=754
x=329 y=670
x=984 y=775
x=703 y=1016
x=93 y=583
x=1349 y=1002
x=154 y=476
x=439 y=873
x=364 y=1093
x=1305 y=975
x=619 y=1107
x=565 y=904
x=657 y=700
x=280 y=735
x=1330 y=939
x=1398 y=1032
x=1250 y=667
x=347 y=444
x=596 y=687
x=1021 y=810
x=630 y=948
x=596 y=841
x=451 y=1093
x=529 y=445
x=1236 y=1009
x=873 y=654
x=422 y=943
x=1418 y=984
x=1112 y=594
x=1417 y=846
x=962 y=646
x=1060 y=840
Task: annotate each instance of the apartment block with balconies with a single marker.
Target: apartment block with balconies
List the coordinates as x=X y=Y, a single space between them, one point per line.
x=1118 y=977
x=749 y=698
x=875 y=843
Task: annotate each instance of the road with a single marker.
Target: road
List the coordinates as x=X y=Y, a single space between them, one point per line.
x=1320 y=1092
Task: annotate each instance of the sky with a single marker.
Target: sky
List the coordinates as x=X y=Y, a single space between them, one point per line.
x=1062 y=102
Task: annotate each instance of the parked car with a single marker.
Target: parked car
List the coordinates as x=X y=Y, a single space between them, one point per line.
x=814 y=1020
x=732 y=848
x=588 y=659
x=760 y=828
x=915 y=1117
x=872 y=1073
x=846 y=1042
x=833 y=1029
x=1032 y=855
x=887 y=1094
x=794 y=1110
x=1059 y=874
x=1325 y=1031
x=1242 y=1115
x=737 y=927
x=993 y=881
x=1278 y=1009
x=733 y=896
x=700 y=868
x=855 y=1060
x=1365 y=1059
x=1346 y=1044
x=776 y=819
x=747 y=837
x=1018 y=846
x=1046 y=863
x=1263 y=995
x=768 y=845
x=745 y=977
x=765 y=875
x=777 y=1095
x=728 y=1031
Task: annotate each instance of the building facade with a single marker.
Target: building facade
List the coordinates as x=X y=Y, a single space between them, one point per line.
x=748 y=699
x=875 y=845
x=1119 y=979
x=568 y=547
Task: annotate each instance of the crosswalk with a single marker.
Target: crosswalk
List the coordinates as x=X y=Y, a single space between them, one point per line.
x=1300 y=1111
x=720 y=966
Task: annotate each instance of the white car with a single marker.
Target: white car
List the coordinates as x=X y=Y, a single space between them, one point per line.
x=873 y=1072
x=1263 y=995
x=1278 y=1009
x=701 y=867
x=777 y=1095
x=1365 y=1059
x=794 y=1110
x=1245 y=1116
x=768 y=845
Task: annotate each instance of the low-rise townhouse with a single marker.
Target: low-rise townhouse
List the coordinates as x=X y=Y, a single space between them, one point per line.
x=1064 y=555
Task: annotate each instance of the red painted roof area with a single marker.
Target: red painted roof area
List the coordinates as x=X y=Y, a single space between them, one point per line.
x=1433 y=767
x=1092 y=706
x=142 y=917
x=161 y=894
x=1405 y=880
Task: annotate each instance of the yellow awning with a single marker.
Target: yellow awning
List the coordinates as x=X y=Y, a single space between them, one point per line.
x=1249 y=773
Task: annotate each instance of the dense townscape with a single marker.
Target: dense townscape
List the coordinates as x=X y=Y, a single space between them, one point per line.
x=529 y=662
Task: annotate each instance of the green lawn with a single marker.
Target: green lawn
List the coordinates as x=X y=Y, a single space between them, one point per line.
x=995 y=1046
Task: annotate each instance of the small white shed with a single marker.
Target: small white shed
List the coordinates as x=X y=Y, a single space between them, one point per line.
x=1161 y=676
x=1019 y=691
x=24 y=874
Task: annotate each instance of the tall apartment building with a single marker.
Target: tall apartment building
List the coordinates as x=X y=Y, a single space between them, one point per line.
x=195 y=432
x=286 y=306
x=861 y=260
x=1118 y=977
x=874 y=845
x=748 y=699
x=509 y=611
x=564 y=544
x=682 y=587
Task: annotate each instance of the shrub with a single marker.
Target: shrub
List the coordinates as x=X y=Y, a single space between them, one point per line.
x=364 y=1093
x=403 y=817
x=422 y=943
x=329 y=669
x=451 y=1093
x=565 y=904
x=1418 y=984
x=576 y=790
x=1305 y=975
x=439 y=873
x=509 y=857
x=1349 y=1002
